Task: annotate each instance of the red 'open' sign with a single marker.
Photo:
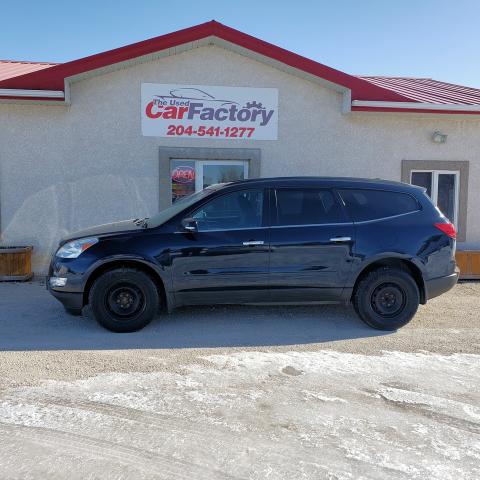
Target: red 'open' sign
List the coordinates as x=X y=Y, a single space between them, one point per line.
x=183 y=174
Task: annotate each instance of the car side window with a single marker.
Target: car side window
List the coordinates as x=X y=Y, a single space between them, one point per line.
x=364 y=204
x=306 y=206
x=237 y=210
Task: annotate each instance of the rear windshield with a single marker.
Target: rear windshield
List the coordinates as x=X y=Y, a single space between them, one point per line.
x=363 y=204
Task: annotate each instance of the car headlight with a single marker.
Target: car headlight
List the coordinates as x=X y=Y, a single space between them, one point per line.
x=74 y=248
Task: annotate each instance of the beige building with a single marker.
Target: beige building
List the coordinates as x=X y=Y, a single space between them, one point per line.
x=123 y=133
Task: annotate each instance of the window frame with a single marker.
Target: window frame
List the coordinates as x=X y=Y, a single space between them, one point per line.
x=435 y=173
x=273 y=217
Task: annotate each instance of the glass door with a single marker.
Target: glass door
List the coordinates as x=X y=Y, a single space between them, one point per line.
x=442 y=187
x=210 y=172
x=447 y=195
x=189 y=176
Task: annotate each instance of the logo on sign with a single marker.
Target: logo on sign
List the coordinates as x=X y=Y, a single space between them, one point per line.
x=183 y=174
x=203 y=106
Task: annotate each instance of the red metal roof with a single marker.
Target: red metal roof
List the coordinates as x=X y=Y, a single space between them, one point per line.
x=427 y=90
x=391 y=91
x=14 y=68
x=54 y=78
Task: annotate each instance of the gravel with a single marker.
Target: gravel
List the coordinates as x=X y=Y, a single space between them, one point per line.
x=38 y=340
x=239 y=392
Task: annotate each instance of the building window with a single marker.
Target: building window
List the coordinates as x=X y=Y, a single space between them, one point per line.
x=185 y=170
x=446 y=182
x=189 y=176
x=442 y=187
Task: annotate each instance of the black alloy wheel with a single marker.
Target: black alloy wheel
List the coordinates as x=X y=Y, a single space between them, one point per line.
x=388 y=300
x=124 y=300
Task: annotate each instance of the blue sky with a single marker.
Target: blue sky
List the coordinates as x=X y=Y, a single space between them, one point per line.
x=426 y=38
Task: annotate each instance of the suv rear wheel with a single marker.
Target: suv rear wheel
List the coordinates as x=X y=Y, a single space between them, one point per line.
x=124 y=300
x=387 y=298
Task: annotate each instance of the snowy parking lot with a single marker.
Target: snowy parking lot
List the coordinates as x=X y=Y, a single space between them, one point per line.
x=239 y=392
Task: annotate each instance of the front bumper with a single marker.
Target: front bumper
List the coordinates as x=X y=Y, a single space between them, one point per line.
x=71 y=300
x=437 y=286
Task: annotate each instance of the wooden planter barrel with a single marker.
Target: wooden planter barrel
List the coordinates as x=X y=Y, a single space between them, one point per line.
x=469 y=263
x=15 y=264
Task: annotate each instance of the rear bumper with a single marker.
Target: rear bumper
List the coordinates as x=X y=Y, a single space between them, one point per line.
x=437 y=286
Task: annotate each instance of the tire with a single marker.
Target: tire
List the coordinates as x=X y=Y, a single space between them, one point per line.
x=76 y=312
x=124 y=300
x=387 y=298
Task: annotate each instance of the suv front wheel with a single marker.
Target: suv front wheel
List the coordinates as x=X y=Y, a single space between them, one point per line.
x=124 y=300
x=386 y=298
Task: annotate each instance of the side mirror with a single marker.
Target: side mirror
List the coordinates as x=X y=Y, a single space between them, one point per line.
x=190 y=225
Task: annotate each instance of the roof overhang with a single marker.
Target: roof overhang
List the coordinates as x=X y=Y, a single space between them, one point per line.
x=379 y=106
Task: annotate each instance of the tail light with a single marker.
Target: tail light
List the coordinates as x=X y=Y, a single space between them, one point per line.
x=447 y=228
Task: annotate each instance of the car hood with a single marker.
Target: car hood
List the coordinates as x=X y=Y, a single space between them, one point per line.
x=105 y=229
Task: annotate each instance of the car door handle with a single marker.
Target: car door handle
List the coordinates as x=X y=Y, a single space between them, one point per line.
x=252 y=243
x=341 y=239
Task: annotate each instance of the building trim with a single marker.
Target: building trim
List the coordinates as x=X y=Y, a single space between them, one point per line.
x=414 y=106
x=21 y=93
x=33 y=101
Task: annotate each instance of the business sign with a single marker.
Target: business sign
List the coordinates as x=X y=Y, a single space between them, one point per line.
x=200 y=111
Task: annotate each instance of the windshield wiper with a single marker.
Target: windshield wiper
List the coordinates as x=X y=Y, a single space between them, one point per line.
x=141 y=222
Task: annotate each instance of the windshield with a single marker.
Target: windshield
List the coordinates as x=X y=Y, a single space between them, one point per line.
x=180 y=205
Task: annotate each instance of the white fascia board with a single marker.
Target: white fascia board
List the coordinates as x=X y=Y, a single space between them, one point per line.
x=15 y=92
x=67 y=97
x=347 y=101
x=417 y=105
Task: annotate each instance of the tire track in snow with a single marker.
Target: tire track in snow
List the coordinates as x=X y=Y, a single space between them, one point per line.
x=171 y=425
x=206 y=438
x=439 y=409
x=143 y=460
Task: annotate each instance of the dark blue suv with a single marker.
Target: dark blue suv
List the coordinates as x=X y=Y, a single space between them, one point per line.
x=380 y=245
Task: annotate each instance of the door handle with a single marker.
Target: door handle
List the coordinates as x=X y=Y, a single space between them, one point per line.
x=341 y=239
x=252 y=243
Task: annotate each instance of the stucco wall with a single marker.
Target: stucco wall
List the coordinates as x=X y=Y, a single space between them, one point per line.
x=65 y=168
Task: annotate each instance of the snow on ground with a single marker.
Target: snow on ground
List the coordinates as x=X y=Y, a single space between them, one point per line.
x=253 y=415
